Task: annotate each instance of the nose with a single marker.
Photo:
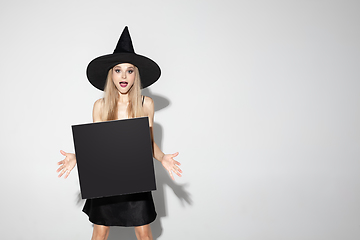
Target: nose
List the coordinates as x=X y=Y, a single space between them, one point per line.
x=123 y=75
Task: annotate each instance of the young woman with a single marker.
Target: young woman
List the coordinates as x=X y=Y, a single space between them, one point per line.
x=122 y=75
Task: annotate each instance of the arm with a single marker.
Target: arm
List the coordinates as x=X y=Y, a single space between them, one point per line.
x=67 y=165
x=167 y=160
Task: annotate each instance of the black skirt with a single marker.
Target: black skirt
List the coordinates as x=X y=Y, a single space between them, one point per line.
x=126 y=210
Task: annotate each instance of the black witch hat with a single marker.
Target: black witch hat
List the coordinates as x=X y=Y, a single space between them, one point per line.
x=98 y=68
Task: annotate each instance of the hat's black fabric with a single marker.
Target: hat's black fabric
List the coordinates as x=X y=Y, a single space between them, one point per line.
x=98 y=68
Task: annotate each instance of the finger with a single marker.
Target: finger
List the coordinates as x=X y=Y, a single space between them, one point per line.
x=176 y=166
x=64 y=171
x=61 y=173
x=67 y=174
x=177 y=163
x=60 y=168
x=177 y=171
x=60 y=162
x=171 y=175
x=175 y=154
x=63 y=152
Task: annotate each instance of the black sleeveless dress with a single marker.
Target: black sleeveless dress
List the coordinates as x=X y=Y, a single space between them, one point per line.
x=126 y=210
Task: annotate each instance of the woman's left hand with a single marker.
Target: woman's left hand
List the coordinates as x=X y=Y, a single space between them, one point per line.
x=171 y=165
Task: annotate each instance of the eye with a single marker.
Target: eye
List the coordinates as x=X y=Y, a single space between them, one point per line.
x=130 y=71
x=117 y=70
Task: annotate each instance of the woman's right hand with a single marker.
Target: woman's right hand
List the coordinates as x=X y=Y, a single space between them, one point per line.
x=67 y=164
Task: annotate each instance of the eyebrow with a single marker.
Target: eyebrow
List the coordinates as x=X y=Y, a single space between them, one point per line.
x=126 y=67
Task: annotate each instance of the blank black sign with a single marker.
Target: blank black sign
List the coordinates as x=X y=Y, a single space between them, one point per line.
x=114 y=157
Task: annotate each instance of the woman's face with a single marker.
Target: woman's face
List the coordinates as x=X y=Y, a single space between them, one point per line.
x=123 y=76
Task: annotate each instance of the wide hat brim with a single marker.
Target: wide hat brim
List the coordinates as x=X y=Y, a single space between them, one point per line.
x=98 y=68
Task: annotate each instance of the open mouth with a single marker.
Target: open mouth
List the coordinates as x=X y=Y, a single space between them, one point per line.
x=123 y=84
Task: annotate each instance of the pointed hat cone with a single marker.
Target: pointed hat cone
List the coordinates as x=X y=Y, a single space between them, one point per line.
x=124 y=44
x=98 y=68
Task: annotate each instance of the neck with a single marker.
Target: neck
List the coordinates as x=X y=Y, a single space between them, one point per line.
x=123 y=97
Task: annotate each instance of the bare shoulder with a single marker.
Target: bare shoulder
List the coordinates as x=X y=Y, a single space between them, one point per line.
x=148 y=106
x=148 y=103
x=98 y=105
x=99 y=101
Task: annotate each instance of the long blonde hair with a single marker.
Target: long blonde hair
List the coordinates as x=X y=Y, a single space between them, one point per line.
x=111 y=99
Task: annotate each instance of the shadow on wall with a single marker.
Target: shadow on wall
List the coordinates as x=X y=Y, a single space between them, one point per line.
x=162 y=179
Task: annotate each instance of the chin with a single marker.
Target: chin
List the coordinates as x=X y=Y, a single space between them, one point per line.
x=124 y=90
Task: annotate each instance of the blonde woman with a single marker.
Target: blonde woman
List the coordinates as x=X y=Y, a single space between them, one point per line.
x=122 y=75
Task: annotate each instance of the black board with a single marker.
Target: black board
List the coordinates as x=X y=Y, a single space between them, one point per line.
x=114 y=157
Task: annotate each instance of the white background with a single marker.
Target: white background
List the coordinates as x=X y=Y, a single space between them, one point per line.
x=261 y=99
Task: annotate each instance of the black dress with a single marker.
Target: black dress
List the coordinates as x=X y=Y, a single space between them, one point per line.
x=126 y=210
